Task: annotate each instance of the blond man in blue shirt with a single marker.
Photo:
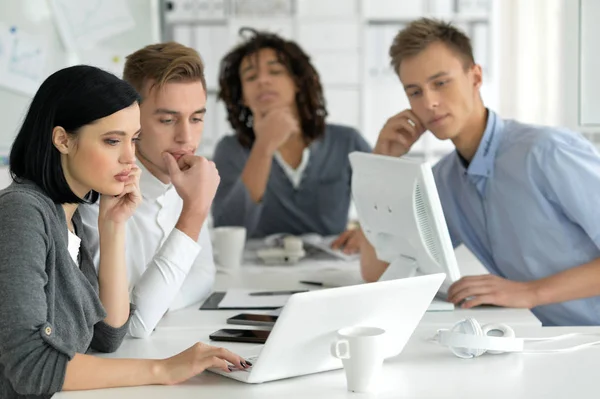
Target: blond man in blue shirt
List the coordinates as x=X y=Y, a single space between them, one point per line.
x=522 y=198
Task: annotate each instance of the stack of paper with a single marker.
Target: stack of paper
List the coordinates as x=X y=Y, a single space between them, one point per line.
x=241 y=298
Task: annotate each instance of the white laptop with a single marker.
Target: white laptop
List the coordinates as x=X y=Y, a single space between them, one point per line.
x=344 y=278
x=300 y=341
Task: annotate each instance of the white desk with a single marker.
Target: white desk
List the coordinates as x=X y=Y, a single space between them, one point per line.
x=254 y=275
x=422 y=370
x=268 y=278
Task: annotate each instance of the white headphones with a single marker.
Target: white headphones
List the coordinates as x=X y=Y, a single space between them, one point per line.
x=468 y=339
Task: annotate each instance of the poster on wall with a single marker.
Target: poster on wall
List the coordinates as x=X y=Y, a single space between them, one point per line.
x=22 y=59
x=83 y=24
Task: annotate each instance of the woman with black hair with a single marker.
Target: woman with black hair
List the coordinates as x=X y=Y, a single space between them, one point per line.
x=77 y=144
x=285 y=170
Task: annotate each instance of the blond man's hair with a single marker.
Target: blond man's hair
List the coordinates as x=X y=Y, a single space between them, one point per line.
x=422 y=32
x=163 y=63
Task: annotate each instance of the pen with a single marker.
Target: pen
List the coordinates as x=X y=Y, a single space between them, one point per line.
x=312 y=283
x=273 y=293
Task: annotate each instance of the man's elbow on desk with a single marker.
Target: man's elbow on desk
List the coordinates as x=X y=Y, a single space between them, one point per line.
x=137 y=328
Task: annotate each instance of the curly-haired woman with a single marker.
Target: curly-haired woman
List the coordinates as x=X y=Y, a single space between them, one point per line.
x=285 y=170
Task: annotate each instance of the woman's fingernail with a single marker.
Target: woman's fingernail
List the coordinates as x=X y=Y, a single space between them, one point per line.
x=231 y=368
x=248 y=363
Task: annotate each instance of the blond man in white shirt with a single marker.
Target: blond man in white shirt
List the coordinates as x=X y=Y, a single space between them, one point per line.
x=169 y=253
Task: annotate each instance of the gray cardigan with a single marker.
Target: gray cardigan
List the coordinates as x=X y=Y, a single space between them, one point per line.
x=49 y=307
x=319 y=205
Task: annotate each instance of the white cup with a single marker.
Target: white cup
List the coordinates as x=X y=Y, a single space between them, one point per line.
x=361 y=351
x=228 y=245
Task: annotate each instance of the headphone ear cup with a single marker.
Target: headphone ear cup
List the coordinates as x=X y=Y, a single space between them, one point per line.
x=498 y=330
x=468 y=326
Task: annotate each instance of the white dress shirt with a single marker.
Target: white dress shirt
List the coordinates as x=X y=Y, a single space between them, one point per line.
x=74 y=243
x=167 y=270
x=295 y=175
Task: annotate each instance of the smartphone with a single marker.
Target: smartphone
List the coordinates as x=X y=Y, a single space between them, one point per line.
x=250 y=319
x=239 y=335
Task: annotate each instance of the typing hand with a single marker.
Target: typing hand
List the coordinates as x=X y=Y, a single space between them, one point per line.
x=195 y=178
x=492 y=290
x=120 y=208
x=195 y=360
x=349 y=241
x=399 y=134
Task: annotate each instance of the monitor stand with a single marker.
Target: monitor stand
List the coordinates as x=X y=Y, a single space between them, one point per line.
x=405 y=267
x=400 y=268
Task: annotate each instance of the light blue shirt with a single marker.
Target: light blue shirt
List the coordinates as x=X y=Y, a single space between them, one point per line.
x=528 y=206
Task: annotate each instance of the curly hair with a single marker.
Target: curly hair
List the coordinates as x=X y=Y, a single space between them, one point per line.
x=309 y=98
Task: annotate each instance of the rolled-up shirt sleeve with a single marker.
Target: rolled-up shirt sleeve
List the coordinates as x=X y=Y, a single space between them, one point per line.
x=107 y=338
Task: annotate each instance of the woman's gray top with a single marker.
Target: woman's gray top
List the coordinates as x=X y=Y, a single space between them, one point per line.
x=320 y=203
x=49 y=306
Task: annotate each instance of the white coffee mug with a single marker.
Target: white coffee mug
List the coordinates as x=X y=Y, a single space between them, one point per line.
x=228 y=245
x=361 y=351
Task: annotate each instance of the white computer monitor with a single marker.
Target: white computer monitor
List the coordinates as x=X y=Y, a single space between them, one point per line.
x=401 y=215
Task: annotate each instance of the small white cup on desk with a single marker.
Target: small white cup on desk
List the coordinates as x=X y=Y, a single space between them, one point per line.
x=228 y=244
x=361 y=351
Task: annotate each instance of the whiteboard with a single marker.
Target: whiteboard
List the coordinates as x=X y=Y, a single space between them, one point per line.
x=35 y=17
x=589 y=63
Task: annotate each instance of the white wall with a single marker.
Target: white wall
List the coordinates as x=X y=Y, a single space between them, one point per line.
x=530 y=60
x=35 y=17
x=348 y=42
x=580 y=66
x=5 y=179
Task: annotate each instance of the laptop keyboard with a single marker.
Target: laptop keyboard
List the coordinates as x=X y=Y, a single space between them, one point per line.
x=251 y=359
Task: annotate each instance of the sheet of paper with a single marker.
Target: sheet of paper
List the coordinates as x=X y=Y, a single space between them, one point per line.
x=82 y=24
x=335 y=278
x=324 y=244
x=240 y=298
x=22 y=59
x=103 y=58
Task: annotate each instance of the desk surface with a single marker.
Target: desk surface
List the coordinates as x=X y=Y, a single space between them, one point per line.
x=252 y=275
x=423 y=369
x=289 y=277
